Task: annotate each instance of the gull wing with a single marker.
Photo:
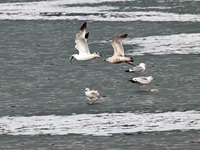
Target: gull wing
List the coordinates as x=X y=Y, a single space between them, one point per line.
x=143 y=80
x=137 y=69
x=95 y=93
x=81 y=40
x=117 y=45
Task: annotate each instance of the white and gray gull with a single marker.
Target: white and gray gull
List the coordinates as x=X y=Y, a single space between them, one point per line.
x=118 y=56
x=93 y=95
x=82 y=46
x=137 y=69
x=143 y=81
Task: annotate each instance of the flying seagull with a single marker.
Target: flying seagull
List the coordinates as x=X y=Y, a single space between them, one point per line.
x=142 y=81
x=92 y=95
x=137 y=69
x=82 y=46
x=118 y=56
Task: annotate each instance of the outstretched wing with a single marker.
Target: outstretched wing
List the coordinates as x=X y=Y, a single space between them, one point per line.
x=117 y=45
x=81 y=40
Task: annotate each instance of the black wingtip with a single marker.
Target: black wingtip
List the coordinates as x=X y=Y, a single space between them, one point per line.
x=127 y=71
x=123 y=35
x=86 y=35
x=131 y=81
x=83 y=26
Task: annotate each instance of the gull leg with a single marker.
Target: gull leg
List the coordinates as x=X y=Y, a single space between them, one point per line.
x=139 y=88
x=154 y=90
x=146 y=89
x=92 y=102
x=130 y=63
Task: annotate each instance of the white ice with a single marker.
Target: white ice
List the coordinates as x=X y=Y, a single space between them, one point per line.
x=167 y=44
x=103 y=124
x=36 y=11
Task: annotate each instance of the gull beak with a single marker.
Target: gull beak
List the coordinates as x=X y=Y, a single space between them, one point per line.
x=145 y=65
x=97 y=57
x=131 y=59
x=71 y=57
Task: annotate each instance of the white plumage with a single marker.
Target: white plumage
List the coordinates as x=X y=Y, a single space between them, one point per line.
x=82 y=46
x=92 y=95
x=142 y=80
x=138 y=69
x=118 y=55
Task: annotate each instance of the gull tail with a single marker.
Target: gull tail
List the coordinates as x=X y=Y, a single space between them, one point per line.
x=127 y=71
x=101 y=95
x=132 y=81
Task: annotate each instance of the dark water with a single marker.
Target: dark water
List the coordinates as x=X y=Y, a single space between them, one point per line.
x=156 y=140
x=43 y=105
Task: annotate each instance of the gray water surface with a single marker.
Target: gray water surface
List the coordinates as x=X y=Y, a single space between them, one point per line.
x=37 y=79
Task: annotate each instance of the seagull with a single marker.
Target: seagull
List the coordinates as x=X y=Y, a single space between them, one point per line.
x=142 y=81
x=137 y=69
x=82 y=46
x=92 y=95
x=118 y=56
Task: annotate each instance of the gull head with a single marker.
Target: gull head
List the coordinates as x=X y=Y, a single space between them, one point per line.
x=130 y=59
x=142 y=65
x=135 y=79
x=87 y=89
x=96 y=55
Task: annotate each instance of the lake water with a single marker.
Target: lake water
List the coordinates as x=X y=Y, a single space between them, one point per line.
x=43 y=105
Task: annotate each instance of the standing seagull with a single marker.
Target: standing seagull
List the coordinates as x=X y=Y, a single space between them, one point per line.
x=92 y=95
x=118 y=55
x=82 y=46
x=142 y=81
x=137 y=69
